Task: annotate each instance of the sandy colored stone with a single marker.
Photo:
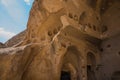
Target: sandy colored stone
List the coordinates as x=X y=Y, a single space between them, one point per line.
x=2 y=45
x=66 y=40
x=16 y=39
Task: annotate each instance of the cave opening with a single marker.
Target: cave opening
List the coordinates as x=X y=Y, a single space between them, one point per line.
x=65 y=75
x=70 y=65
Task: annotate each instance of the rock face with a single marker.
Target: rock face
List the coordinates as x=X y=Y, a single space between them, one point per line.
x=16 y=39
x=67 y=40
x=2 y=45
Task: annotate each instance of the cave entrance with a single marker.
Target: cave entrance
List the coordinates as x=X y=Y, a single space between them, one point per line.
x=65 y=75
x=91 y=62
x=70 y=65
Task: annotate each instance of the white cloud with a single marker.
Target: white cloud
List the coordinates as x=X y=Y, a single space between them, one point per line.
x=27 y=2
x=6 y=34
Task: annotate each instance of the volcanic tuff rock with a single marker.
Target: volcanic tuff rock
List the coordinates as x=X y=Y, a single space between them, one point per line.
x=67 y=40
x=16 y=39
x=2 y=45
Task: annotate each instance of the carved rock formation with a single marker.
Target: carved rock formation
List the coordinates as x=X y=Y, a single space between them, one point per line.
x=67 y=40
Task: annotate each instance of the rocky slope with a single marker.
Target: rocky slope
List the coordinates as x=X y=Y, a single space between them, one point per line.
x=16 y=39
x=2 y=45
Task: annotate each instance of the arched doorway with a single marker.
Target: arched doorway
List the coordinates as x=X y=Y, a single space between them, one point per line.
x=70 y=66
x=68 y=72
x=91 y=63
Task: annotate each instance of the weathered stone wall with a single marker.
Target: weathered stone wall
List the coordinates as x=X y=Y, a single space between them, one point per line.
x=78 y=12
x=110 y=66
x=65 y=36
x=110 y=57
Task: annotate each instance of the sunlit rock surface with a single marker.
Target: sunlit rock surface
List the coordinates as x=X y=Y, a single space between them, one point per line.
x=66 y=40
x=2 y=45
x=16 y=39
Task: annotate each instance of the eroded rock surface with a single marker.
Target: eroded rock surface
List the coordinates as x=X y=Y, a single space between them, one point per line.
x=2 y=45
x=16 y=39
x=66 y=40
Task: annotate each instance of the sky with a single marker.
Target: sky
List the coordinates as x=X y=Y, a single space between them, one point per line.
x=14 y=15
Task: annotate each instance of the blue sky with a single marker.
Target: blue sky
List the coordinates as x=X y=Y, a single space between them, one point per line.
x=13 y=17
